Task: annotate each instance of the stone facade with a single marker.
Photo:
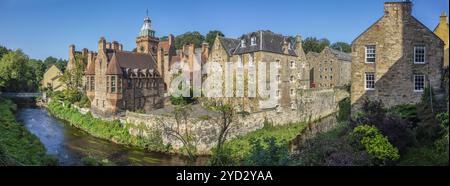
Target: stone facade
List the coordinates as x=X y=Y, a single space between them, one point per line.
x=398 y=56
x=329 y=68
x=442 y=31
x=116 y=80
x=313 y=104
x=51 y=79
x=263 y=46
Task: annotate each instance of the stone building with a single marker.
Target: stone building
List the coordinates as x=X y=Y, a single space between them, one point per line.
x=51 y=79
x=441 y=30
x=395 y=59
x=264 y=46
x=329 y=68
x=117 y=80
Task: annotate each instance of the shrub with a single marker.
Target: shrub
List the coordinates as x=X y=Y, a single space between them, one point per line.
x=267 y=152
x=375 y=143
x=344 y=110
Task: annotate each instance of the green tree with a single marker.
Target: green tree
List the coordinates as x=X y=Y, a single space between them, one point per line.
x=164 y=38
x=3 y=51
x=14 y=71
x=342 y=46
x=189 y=38
x=60 y=63
x=39 y=68
x=312 y=44
x=73 y=78
x=211 y=36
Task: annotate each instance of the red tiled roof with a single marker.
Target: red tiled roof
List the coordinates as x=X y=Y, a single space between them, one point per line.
x=121 y=60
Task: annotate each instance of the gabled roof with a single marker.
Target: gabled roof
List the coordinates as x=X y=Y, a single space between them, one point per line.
x=121 y=60
x=266 y=41
x=229 y=44
x=341 y=55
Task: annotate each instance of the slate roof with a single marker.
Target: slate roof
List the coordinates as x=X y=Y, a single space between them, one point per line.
x=265 y=41
x=229 y=44
x=341 y=55
x=121 y=60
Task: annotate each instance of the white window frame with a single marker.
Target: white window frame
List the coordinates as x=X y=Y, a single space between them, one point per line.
x=292 y=79
x=292 y=91
x=253 y=41
x=367 y=53
x=365 y=80
x=424 y=82
x=424 y=54
x=243 y=43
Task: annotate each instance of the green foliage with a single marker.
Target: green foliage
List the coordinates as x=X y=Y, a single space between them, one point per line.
x=237 y=150
x=189 y=38
x=344 y=110
x=211 y=36
x=17 y=145
x=73 y=78
x=443 y=119
x=428 y=98
x=312 y=44
x=16 y=73
x=342 y=46
x=267 y=152
x=95 y=161
x=60 y=63
x=406 y=111
x=109 y=130
x=3 y=51
x=375 y=143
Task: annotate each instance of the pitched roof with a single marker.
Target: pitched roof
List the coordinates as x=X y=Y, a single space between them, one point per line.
x=266 y=41
x=229 y=44
x=121 y=60
x=341 y=55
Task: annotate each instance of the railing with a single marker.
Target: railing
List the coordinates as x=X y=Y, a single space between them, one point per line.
x=22 y=94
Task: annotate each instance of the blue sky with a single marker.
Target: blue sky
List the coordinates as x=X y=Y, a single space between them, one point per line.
x=45 y=28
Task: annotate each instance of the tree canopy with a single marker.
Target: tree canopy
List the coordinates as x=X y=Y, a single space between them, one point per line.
x=211 y=36
x=189 y=38
x=312 y=44
x=17 y=73
x=342 y=46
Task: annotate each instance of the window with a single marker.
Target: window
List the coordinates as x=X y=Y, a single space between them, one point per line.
x=370 y=81
x=129 y=83
x=370 y=54
x=331 y=69
x=419 y=54
x=292 y=64
x=278 y=93
x=292 y=79
x=278 y=78
x=243 y=43
x=108 y=84
x=331 y=77
x=253 y=41
x=419 y=83
x=92 y=83
x=292 y=92
x=113 y=84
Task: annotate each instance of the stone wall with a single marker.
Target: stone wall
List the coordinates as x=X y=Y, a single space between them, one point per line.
x=311 y=105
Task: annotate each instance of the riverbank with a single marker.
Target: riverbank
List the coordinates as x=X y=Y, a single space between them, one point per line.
x=17 y=145
x=109 y=130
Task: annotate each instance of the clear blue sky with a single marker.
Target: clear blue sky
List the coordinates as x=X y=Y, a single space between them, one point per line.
x=47 y=27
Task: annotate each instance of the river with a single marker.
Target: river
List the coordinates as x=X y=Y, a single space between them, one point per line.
x=70 y=145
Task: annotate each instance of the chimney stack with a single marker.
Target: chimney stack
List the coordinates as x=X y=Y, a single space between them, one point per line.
x=115 y=45
x=101 y=44
x=398 y=8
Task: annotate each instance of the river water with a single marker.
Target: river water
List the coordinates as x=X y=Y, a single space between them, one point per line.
x=70 y=145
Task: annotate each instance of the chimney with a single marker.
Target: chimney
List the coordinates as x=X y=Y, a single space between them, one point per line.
x=171 y=39
x=101 y=44
x=108 y=45
x=205 y=48
x=115 y=45
x=398 y=8
x=85 y=52
x=120 y=47
x=71 y=50
x=443 y=19
x=285 y=47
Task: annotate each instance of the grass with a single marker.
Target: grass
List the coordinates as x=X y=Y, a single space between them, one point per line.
x=17 y=145
x=109 y=130
x=240 y=147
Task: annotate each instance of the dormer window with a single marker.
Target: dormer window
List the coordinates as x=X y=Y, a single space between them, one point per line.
x=243 y=44
x=253 y=41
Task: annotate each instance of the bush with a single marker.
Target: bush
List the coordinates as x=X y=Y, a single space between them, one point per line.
x=375 y=143
x=267 y=152
x=344 y=110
